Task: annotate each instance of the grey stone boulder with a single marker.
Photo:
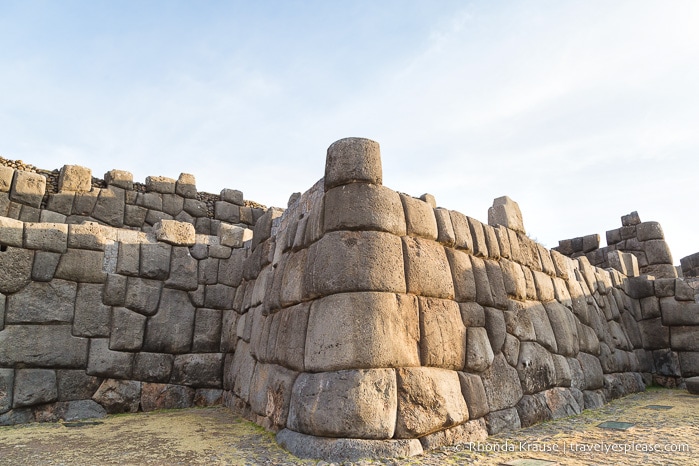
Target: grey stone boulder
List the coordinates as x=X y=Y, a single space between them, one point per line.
x=175 y=233
x=356 y=404
x=34 y=386
x=15 y=269
x=353 y=160
x=119 y=396
x=51 y=346
x=502 y=421
x=442 y=334
x=346 y=449
x=360 y=330
x=83 y=409
x=361 y=206
x=153 y=367
x=474 y=395
x=42 y=302
x=429 y=399
x=76 y=385
x=535 y=368
x=419 y=218
x=502 y=385
x=692 y=384
x=198 y=370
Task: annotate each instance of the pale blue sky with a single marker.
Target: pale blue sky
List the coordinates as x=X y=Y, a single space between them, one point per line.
x=582 y=111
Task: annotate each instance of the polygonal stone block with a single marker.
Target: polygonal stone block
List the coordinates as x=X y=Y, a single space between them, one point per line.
x=356 y=404
x=419 y=218
x=160 y=184
x=171 y=329
x=506 y=212
x=42 y=303
x=74 y=178
x=361 y=206
x=46 y=236
x=82 y=265
x=127 y=330
x=28 y=188
x=11 y=232
x=427 y=270
x=502 y=385
x=363 y=330
x=51 y=346
x=34 y=386
x=174 y=232
x=442 y=334
x=353 y=160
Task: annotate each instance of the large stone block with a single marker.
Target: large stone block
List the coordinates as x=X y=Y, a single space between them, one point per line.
x=46 y=236
x=110 y=206
x=484 y=294
x=462 y=273
x=103 y=362
x=363 y=330
x=684 y=338
x=468 y=432
x=174 y=232
x=291 y=336
x=270 y=392
x=542 y=327
x=479 y=352
x=119 y=178
x=76 y=385
x=34 y=386
x=462 y=231
x=346 y=449
x=119 y=396
x=344 y=261
x=155 y=260
x=518 y=320
x=42 y=303
x=513 y=279
x=127 y=332
x=28 y=188
x=428 y=400
x=89 y=235
x=153 y=367
x=506 y=212
x=170 y=329
x=353 y=160
x=419 y=218
x=42 y=345
x=82 y=265
x=207 y=330
x=442 y=334
x=502 y=385
x=497 y=284
x=480 y=244
x=564 y=327
x=74 y=178
x=474 y=395
x=165 y=396
x=7 y=381
x=45 y=264
x=657 y=252
x=11 y=232
x=445 y=229
x=6 y=175
x=427 y=270
x=361 y=206
x=535 y=368
x=183 y=270
x=143 y=295
x=689 y=363
x=496 y=328
x=15 y=269
x=355 y=404
x=679 y=312
x=198 y=370
x=593 y=377
x=502 y=421
x=234 y=236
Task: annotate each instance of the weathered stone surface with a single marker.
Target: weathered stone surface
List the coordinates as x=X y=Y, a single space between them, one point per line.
x=564 y=327
x=653 y=334
x=143 y=295
x=91 y=317
x=198 y=370
x=542 y=327
x=160 y=184
x=532 y=409
x=82 y=265
x=501 y=384
x=207 y=330
x=6 y=175
x=427 y=270
x=183 y=270
x=518 y=320
x=344 y=261
x=28 y=188
x=109 y=207
x=164 y=396
x=174 y=232
x=689 y=363
x=270 y=394
x=506 y=212
x=51 y=346
x=155 y=260
x=692 y=385
x=291 y=336
x=205 y=397
x=7 y=380
x=119 y=178
x=76 y=385
x=11 y=232
x=684 y=338
x=513 y=279
x=535 y=368
x=502 y=421
x=362 y=330
x=511 y=350
x=103 y=362
x=679 y=312
x=497 y=284
x=74 y=178
x=445 y=229
x=419 y=218
x=471 y=431
x=593 y=377
x=364 y=206
x=88 y=235
x=428 y=400
x=462 y=274
x=170 y=330
x=442 y=334
x=227 y=212
x=484 y=295
x=46 y=236
x=222 y=296
x=18 y=416
x=127 y=330
x=474 y=395
x=234 y=236
x=496 y=328
x=562 y=402
x=83 y=409
x=356 y=403
x=480 y=244
x=153 y=367
x=42 y=303
x=462 y=231
x=666 y=363
x=33 y=387
x=472 y=314
x=479 y=353
x=353 y=160
x=346 y=449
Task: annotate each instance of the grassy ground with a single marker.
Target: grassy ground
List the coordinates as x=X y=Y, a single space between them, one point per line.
x=216 y=436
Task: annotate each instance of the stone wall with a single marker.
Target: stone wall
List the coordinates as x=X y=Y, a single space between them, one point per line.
x=357 y=322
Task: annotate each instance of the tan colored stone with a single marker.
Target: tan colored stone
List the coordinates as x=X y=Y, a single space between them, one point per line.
x=442 y=334
x=362 y=206
x=74 y=178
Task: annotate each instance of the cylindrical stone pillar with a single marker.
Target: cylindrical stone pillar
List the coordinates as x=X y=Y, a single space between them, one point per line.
x=353 y=160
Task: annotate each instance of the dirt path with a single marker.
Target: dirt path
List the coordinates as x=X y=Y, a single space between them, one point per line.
x=216 y=436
